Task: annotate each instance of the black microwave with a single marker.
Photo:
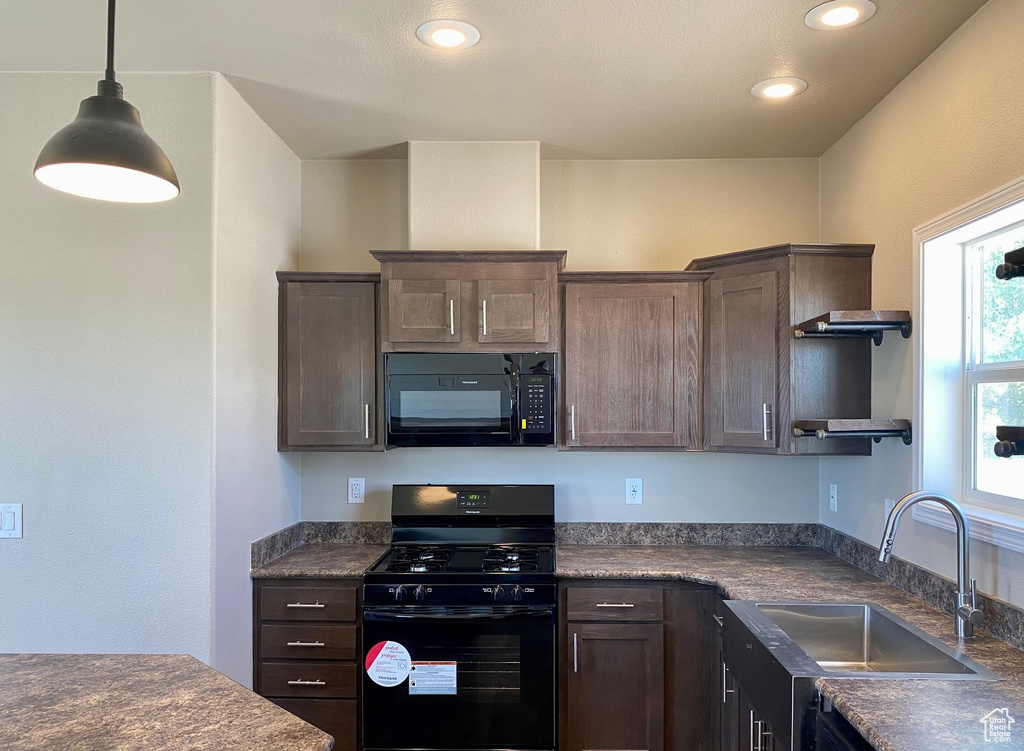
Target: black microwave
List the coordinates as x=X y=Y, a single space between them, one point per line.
x=473 y=399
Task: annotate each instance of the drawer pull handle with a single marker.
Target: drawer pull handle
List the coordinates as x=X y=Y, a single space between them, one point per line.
x=306 y=644
x=615 y=605
x=316 y=604
x=719 y=620
x=306 y=683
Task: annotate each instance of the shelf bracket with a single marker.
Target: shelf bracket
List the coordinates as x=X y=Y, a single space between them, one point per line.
x=843 y=324
x=876 y=430
x=1009 y=441
x=1012 y=265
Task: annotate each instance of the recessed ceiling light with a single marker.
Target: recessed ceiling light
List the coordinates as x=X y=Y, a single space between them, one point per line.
x=840 y=14
x=451 y=35
x=779 y=88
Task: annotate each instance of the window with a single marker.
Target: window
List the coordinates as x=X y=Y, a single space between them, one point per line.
x=994 y=382
x=969 y=366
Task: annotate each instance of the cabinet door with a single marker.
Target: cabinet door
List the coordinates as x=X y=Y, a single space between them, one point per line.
x=424 y=310
x=514 y=310
x=740 y=370
x=631 y=364
x=329 y=368
x=616 y=687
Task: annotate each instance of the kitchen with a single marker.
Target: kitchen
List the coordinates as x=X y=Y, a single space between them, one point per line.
x=141 y=380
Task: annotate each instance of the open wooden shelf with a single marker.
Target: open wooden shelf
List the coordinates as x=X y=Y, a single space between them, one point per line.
x=1009 y=441
x=873 y=429
x=1012 y=265
x=855 y=324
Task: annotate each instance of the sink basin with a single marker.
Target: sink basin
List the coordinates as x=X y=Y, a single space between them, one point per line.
x=867 y=640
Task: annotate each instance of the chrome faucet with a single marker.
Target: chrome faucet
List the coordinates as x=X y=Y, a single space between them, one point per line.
x=967 y=614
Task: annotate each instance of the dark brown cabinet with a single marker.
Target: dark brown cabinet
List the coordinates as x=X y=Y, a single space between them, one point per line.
x=632 y=360
x=424 y=310
x=616 y=686
x=742 y=353
x=457 y=301
x=759 y=378
x=305 y=651
x=635 y=667
x=327 y=362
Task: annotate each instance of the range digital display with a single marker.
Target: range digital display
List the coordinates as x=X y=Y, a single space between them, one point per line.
x=472 y=499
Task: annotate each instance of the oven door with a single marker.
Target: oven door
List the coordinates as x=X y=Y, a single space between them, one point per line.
x=449 y=410
x=488 y=679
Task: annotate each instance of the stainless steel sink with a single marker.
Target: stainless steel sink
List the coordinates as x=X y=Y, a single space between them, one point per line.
x=777 y=651
x=869 y=641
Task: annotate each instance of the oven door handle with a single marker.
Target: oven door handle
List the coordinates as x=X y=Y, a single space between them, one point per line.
x=370 y=614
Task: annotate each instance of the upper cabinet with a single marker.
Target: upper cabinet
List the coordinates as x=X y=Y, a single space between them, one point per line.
x=632 y=360
x=327 y=380
x=759 y=377
x=455 y=301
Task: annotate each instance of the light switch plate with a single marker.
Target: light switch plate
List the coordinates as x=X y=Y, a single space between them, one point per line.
x=10 y=520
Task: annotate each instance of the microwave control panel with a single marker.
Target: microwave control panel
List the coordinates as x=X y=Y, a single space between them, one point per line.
x=535 y=403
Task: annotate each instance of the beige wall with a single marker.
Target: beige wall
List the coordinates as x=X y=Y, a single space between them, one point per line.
x=608 y=215
x=655 y=215
x=622 y=215
x=105 y=384
x=949 y=133
x=256 y=232
x=474 y=195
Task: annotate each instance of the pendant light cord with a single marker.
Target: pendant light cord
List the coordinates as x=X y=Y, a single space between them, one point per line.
x=110 y=40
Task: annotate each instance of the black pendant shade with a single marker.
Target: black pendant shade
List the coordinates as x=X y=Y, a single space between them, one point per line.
x=105 y=153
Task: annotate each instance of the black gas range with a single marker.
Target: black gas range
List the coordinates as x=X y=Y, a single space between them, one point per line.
x=459 y=621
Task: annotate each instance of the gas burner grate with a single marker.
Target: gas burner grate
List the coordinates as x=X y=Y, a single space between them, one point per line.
x=509 y=559
x=419 y=558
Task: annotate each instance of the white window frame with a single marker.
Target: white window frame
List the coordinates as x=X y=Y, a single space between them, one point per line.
x=942 y=446
x=977 y=373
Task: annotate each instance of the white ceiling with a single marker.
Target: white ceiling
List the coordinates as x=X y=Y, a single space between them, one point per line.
x=623 y=79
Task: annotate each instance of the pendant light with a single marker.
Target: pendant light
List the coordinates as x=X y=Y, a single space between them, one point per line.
x=105 y=153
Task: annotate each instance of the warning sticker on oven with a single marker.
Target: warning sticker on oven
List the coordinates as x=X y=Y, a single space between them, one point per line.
x=388 y=663
x=438 y=678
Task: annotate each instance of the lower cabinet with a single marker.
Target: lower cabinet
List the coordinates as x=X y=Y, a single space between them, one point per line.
x=616 y=686
x=636 y=666
x=305 y=651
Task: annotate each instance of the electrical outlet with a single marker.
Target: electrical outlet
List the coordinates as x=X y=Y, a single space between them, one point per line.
x=889 y=503
x=833 y=499
x=10 y=520
x=634 y=491
x=356 y=489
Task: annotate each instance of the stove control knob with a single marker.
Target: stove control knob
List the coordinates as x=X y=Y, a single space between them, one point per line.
x=499 y=593
x=399 y=594
x=419 y=593
x=517 y=593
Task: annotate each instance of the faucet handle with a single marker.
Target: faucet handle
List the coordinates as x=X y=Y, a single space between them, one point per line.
x=970 y=613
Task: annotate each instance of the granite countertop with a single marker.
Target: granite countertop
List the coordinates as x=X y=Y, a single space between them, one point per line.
x=907 y=715
x=322 y=560
x=138 y=702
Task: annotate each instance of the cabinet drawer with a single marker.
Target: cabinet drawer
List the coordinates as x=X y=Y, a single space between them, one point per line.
x=334 y=717
x=307 y=604
x=308 y=642
x=308 y=679
x=614 y=604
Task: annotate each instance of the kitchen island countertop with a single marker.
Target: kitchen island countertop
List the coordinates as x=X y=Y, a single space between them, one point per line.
x=138 y=702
